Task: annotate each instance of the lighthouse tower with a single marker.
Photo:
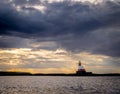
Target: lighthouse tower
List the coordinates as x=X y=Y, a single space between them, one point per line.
x=81 y=70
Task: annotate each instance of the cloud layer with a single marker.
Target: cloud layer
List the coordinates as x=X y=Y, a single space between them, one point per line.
x=75 y=26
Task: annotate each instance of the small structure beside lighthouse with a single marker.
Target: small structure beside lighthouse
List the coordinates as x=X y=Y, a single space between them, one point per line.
x=81 y=70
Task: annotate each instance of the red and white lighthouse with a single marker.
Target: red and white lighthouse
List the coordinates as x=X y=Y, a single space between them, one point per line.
x=81 y=70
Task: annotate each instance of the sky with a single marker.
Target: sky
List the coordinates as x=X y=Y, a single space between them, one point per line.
x=51 y=36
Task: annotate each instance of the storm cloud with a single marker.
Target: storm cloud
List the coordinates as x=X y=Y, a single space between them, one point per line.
x=75 y=26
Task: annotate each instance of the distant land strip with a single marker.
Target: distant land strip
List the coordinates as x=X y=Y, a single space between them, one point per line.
x=4 y=73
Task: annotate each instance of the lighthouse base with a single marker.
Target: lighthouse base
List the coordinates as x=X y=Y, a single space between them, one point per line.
x=81 y=72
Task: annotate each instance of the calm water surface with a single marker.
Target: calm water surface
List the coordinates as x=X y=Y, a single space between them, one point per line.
x=59 y=85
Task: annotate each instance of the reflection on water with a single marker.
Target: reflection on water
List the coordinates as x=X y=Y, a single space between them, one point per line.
x=59 y=85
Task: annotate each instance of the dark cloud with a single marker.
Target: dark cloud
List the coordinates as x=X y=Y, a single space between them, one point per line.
x=14 y=42
x=103 y=41
x=75 y=26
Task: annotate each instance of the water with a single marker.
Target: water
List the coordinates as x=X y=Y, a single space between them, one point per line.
x=59 y=85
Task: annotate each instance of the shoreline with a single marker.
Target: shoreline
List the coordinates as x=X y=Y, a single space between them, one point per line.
x=57 y=74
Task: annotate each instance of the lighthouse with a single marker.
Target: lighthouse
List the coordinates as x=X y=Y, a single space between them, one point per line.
x=81 y=70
